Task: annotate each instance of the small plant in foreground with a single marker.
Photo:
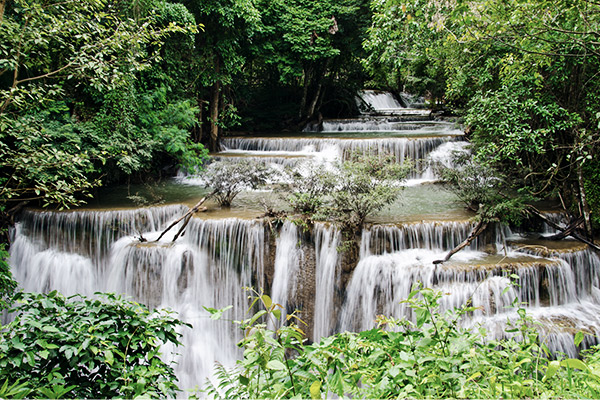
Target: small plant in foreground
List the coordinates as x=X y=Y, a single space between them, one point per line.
x=108 y=347
x=430 y=356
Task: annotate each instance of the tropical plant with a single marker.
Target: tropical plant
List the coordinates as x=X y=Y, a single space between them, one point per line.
x=86 y=348
x=428 y=356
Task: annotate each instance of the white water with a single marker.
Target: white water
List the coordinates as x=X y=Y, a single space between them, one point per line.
x=89 y=251
x=208 y=266
x=288 y=259
x=327 y=271
x=385 y=103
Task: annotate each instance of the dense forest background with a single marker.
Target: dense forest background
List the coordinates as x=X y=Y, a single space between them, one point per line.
x=103 y=92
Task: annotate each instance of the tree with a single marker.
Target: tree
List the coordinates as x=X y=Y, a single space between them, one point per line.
x=230 y=26
x=312 y=46
x=525 y=75
x=310 y=185
x=365 y=184
x=227 y=179
x=87 y=348
x=403 y=50
x=70 y=110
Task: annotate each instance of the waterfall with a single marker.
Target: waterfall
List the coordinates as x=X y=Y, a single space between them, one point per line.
x=328 y=149
x=380 y=100
x=208 y=266
x=327 y=264
x=288 y=259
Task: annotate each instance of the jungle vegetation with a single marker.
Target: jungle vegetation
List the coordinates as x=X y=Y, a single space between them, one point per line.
x=98 y=92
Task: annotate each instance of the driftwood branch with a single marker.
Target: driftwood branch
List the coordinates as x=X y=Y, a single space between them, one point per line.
x=568 y=230
x=477 y=230
x=186 y=217
x=554 y=225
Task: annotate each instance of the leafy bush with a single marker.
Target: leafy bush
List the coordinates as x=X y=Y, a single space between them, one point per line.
x=86 y=348
x=483 y=189
x=430 y=356
x=309 y=186
x=348 y=192
x=366 y=184
x=7 y=284
x=227 y=179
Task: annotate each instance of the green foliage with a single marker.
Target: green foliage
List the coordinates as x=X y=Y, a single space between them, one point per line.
x=366 y=184
x=86 y=348
x=591 y=175
x=227 y=179
x=430 y=356
x=402 y=47
x=308 y=189
x=483 y=189
x=7 y=284
x=348 y=192
x=72 y=105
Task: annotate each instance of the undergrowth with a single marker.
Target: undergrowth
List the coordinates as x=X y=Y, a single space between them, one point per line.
x=430 y=357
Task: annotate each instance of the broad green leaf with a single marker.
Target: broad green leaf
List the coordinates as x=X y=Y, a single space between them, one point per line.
x=276 y=365
x=108 y=357
x=267 y=301
x=553 y=367
x=574 y=363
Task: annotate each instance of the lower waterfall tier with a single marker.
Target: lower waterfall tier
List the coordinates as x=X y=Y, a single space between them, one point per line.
x=305 y=269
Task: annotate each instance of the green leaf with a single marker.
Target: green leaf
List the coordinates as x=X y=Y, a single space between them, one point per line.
x=574 y=363
x=579 y=336
x=553 y=367
x=277 y=313
x=315 y=390
x=108 y=357
x=266 y=300
x=276 y=365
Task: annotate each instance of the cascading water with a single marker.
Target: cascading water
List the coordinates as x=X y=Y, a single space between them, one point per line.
x=208 y=266
x=88 y=251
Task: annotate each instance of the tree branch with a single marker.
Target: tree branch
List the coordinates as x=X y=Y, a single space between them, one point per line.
x=187 y=216
x=477 y=230
x=554 y=225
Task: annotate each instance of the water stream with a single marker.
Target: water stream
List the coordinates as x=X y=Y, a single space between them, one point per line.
x=224 y=250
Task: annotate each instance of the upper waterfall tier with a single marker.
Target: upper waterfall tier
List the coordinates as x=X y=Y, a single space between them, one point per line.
x=380 y=102
x=388 y=126
x=330 y=148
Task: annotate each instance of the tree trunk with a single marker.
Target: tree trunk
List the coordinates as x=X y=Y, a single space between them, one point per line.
x=214 y=111
x=585 y=208
x=313 y=105
x=307 y=81
x=197 y=129
x=2 y=4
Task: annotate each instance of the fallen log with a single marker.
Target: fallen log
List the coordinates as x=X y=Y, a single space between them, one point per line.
x=477 y=230
x=186 y=218
x=554 y=225
x=568 y=230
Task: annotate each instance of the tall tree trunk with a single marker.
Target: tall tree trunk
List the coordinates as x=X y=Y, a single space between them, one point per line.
x=585 y=208
x=214 y=111
x=2 y=4
x=197 y=128
x=307 y=81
